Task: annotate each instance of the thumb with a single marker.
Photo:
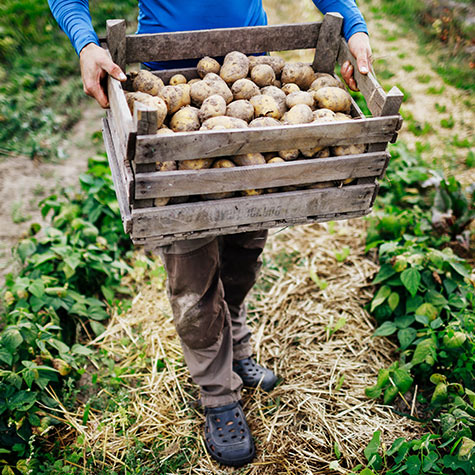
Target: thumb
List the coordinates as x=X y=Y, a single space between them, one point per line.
x=362 y=62
x=115 y=71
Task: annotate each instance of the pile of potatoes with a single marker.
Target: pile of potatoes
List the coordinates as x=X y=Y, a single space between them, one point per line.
x=245 y=91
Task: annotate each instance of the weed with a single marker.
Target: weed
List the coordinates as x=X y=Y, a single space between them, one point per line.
x=462 y=143
x=408 y=68
x=436 y=91
x=448 y=123
x=440 y=108
x=17 y=213
x=470 y=159
x=423 y=78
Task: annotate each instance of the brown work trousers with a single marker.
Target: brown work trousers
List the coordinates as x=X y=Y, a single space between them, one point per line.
x=208 y=280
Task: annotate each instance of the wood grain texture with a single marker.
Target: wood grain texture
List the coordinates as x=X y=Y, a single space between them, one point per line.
x=121 y=177
x=247 y=210
x=219 y=42
x=367 y=83
x=116 y=41
x=328 y=43
x=153 y=243
x=184 y=183
x=214 y=143
x=145 y=119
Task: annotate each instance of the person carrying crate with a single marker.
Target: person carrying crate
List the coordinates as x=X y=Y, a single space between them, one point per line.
x=208 y=278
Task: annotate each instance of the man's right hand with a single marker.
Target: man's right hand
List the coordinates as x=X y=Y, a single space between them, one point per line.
x=96 y=63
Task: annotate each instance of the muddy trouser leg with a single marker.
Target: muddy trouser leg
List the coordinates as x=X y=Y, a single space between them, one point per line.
x=240 y=265
x=202 y=317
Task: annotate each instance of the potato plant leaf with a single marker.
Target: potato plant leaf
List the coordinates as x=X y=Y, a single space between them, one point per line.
x=411 y=278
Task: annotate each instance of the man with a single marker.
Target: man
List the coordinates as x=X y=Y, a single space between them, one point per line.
x=208 y=278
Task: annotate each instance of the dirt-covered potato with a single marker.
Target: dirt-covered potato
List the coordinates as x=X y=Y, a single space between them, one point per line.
x=324 y=153
x=176 y=97
x=325 y=80
x=146 y=81
x=322 y=184
x=277 y=83
x=244 y=89
x=333 y=98
x=223 y=122
x=248 y=159
x=299 y=114
x=164 y=131
x=301 y=74
x=276 y=160
x=276 y=63
x=265 y=106
x=161 y=201
x=185 y=120
x=264 y=122
x=311 y=152
x=324 y=115
x=152 y=101
x=211 y=84
x=278 y=95
x=235 y=66
x=192 y=81
x=168 y=166
x=212 y=106
x=289 y=155
x=349 y=149
x=290 y=87
x=300 y=97
x=262 y=75
x=342 y=116
x=252 y=192
x=241 y=110
x=195 y=164
x=207 y=65
x=177 y=79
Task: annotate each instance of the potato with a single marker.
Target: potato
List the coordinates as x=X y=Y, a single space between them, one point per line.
x=276 y=160
x=164 y=130
x=195 y=164
x=207 y=65
x=299 y=114
x=249 y=159
x=311 y=152
x=176 y=200
x=269 y=155
x=223 y=122
x=349 y=149
x=276 y=63
x=177 y=79
x=299 y=73
x=278 y=95
x=161 y=201
x=262 y=75
x=341 y=116
x=323 y=115
x=322 y=184
x=277 y=83
x=264 y=122
x=244 y=89
x=290 y=87
x=220 y=163
x=241 y=109
x=151 y=101
x=325 y=80
x=146 y=81
x=288 y=155
x=324 y=153
x=300 y=97
x=176 y=97
x=211 y=84
x=265 y=106
x=185 y=120
x=212 y=106
x=168 y=166
x=251 y=192
x=193 y=81
x=235 y=66
x=333 y=98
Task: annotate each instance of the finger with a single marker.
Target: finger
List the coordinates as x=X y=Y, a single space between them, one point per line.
x=347 y=73
x=362 y=61
x=114 y=70
x=95 y=91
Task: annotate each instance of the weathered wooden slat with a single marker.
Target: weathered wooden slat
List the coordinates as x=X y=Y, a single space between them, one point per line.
x=184 y=183
x=121 y=182
x=230 y=212
x=219 y=42
x=328 y=43
x=116 y=41
x=214 y=143
x=122 y=120
x=153 y=243
x=367 y=83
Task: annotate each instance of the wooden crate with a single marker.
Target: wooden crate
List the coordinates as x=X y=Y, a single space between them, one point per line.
x=133 y=148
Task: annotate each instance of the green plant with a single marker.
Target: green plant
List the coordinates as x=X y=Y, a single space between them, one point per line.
x=448 y=123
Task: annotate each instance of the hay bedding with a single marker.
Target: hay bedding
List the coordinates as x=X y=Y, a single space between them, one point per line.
x=321 y=400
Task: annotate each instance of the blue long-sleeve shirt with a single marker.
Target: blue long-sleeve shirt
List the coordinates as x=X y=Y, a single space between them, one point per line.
x=158 y=16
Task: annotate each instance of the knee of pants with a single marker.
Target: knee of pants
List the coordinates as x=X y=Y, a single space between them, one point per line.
x=200 y=330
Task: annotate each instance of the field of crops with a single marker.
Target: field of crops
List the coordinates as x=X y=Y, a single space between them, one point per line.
x=370 y=323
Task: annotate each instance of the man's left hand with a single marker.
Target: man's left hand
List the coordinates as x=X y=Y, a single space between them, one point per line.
x=361 y=50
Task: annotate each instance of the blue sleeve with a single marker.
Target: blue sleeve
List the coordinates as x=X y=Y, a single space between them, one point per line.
x=353 y=21
x=75 y=20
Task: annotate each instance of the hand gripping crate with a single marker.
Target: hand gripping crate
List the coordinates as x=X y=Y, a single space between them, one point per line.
x=133 y=148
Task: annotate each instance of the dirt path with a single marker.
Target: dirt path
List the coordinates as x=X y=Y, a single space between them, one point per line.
x=23 y=182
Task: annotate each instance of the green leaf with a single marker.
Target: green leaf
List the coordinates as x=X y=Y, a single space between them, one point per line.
x=462 y=269
x=435 y=298
x=412 y=303
x=383 y=378
x=404 y=321
x=411 y=278
x=6 y=356
x=25 y=249
x=413 y=465
x=22 y=401
x=11 y=339
x=385 y=272
x=37 y=288
x=402 y=379
x=429 y=461
x=397 y=444
x=97 y=327
x=428 y=310
x=387 y=328
x=390 y=394
x=7 y=470
x=81 y=350
x=467 y=448
x=367 y=471
x=383 y=293
x=406 y=336
x=424 y=352
x=393 y=301
x=373 y=392
x=373 y=446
